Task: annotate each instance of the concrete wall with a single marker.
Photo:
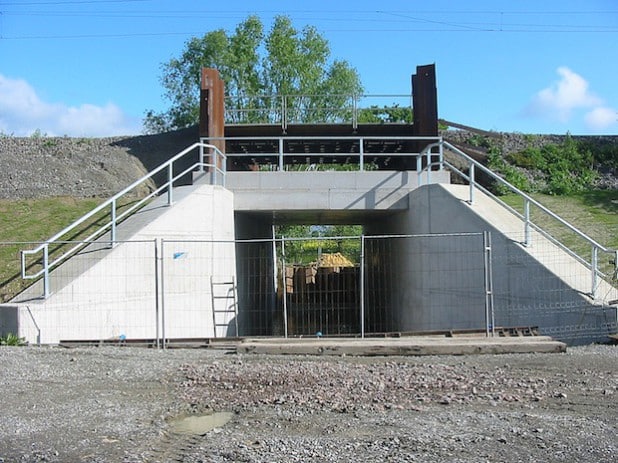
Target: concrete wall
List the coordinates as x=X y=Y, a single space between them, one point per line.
x=118 y=294
x=529 y=288
x=255 y=191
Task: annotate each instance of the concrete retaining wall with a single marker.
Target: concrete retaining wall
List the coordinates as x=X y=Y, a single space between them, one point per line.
x=118 y=295
x=537 y=286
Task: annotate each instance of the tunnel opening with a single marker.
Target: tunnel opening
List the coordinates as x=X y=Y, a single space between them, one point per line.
x=296 y=279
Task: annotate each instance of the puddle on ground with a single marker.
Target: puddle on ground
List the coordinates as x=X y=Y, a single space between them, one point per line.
x=198 y=425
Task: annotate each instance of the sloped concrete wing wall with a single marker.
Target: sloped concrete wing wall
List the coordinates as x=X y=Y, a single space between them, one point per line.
x=121 y=295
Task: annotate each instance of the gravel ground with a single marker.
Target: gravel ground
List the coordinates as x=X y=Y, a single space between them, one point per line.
x=115 y=404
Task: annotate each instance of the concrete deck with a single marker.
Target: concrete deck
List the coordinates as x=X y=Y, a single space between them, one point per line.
x=406 y=346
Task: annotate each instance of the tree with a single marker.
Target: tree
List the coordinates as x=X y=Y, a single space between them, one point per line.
x=386 y=115
x=258 y=70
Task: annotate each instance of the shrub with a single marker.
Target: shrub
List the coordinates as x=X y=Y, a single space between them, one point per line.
x=560 y=168
x=510 y=173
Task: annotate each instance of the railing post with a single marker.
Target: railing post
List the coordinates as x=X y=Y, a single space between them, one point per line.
x=280 y=154
x=441 y=154
x=170 y=184
x=284 y=113
x=472 y=181
x=594 y=263
x=527 y=222
x=354 y=112
x=223 y=169
x=113 y=230
x=362 y=154
x=46 y=290
x=215 y=161
x=419 y=168
x=201 y=159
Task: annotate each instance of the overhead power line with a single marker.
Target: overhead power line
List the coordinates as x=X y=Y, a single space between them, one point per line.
x=382 y=21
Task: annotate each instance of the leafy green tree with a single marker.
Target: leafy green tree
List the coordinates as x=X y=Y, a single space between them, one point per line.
x=385 y=115
x=258 y=69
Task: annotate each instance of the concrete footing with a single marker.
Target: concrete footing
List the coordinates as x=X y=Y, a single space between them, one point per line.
x=406 y=346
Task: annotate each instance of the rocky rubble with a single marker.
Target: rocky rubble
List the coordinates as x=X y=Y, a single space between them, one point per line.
x=118 y=405
x=509 y=143
x=46 y=167
x=41 y=166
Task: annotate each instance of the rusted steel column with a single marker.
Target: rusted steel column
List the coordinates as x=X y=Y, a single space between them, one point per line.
x=425 y=105
x=212 y=107
x=425 y=101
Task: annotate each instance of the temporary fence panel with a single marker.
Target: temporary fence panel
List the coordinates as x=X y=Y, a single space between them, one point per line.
x=425 y=283
x=541 y=285
x=259 y=297
x=288 y=287
x=187 y=268
x=320 y=286
x=102 y=293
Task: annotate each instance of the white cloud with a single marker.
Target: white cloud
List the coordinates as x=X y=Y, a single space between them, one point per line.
x=22 y=112
x=570 y=102
x=601 y=118
x=559 y=100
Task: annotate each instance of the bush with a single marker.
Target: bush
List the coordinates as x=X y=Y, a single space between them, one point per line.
x=558 y=168
x=510 y=173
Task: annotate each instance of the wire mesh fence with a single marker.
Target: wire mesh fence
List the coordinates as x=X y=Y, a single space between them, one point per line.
x=340 y=286
x=101 y=292
x=544 y=286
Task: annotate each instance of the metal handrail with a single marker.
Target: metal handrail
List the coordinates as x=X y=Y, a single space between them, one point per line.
x=281 y=154
x=279 y=109
x=218 y=159
x=473 y=165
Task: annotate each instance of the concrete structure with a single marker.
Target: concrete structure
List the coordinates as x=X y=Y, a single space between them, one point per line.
x=161 y=284
x=540 y=285
x=105 y=294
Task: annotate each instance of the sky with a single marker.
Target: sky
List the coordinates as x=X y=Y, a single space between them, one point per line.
x=93 y=67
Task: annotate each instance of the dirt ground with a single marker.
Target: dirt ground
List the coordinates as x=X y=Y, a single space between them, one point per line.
x=121 y=404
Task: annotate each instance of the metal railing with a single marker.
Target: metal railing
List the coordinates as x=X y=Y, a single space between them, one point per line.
x=215 y=165
x=528 y=225
x=358 y=142
x=332 y=108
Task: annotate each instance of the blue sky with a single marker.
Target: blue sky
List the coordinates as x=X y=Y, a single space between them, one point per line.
x=92 y=68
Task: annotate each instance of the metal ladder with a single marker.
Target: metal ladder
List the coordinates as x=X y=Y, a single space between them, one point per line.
x=230 y=305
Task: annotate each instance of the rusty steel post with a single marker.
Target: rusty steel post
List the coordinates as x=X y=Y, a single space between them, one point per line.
x=425 y=101
x=424 y=104
x=212 y=109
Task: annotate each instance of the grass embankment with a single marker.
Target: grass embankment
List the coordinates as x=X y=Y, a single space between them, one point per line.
x=25 y=223
x=593 y=212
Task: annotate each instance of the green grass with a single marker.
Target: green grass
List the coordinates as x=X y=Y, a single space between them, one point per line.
x=593 y=212
x=36 y=220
